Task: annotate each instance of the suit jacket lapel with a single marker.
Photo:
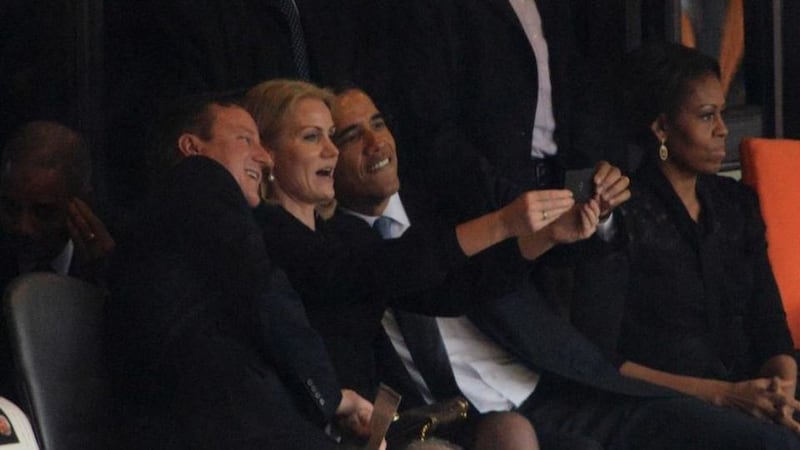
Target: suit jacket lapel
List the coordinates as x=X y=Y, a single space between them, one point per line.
x=504 y=9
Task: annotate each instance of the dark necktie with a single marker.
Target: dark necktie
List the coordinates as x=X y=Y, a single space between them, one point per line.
x=424 y=341
x=383 y=225
x=299 y=53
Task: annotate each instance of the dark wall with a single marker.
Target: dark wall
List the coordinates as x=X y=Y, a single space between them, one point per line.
x=51 y=68
x=37 y=70
x=791 y=72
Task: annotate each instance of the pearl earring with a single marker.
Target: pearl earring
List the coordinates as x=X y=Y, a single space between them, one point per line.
x=663 y=152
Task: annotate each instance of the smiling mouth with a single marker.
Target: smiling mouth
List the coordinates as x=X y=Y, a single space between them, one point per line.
x=326 y=172
x=253 y=174
x=378 y=165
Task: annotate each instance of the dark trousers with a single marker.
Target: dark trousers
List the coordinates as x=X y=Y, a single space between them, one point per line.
x=569 y=416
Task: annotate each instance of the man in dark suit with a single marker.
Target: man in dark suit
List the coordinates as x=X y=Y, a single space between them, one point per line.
x=496 y=101
x=209 y=344
x=46 y=223
x=513 y=352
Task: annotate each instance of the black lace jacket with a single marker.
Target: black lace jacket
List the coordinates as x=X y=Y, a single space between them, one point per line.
x=696 y=298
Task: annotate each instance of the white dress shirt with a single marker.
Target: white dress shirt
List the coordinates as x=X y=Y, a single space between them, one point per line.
x=61 y=263
x=544 y=123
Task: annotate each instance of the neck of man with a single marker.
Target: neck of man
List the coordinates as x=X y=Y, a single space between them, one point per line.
x=369 y=206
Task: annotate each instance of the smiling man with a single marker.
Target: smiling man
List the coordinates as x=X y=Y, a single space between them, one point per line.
x=210 y=345
x=365 y=180
x=511 y=352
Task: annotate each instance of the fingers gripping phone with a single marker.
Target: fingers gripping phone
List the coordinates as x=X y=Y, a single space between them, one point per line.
x=581 y=183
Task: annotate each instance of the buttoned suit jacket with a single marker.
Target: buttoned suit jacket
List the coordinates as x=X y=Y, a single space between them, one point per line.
x=494 y=288
x=207 y=339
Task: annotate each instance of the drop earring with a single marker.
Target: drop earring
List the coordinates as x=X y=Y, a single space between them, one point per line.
x=663 y=152
x=270 y=177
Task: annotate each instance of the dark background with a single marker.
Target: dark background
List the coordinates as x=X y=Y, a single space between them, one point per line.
x=70 y=60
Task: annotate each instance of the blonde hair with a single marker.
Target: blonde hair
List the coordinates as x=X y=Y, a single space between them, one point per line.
x=271 y=101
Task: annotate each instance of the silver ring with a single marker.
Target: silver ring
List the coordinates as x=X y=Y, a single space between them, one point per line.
x=544 y=214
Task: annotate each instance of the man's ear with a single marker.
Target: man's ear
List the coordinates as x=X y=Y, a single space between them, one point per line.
x=270 y=154
x=189 y=144
x=659 y=127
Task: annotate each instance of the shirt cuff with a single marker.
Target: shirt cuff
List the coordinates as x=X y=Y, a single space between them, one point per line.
x=606 y=229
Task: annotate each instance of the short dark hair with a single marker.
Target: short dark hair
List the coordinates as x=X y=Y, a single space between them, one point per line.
x=656 y=80
x=192 y=114
x=51 y=145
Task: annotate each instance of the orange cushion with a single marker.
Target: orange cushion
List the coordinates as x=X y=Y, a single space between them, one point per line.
x=772 y=168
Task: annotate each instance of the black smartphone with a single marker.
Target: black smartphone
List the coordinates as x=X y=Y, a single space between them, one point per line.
x=581 y=183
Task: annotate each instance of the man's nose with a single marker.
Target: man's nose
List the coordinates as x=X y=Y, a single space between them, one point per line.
x=372 y=140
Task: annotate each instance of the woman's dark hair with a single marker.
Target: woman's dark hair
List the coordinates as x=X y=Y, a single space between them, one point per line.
x=656 y=80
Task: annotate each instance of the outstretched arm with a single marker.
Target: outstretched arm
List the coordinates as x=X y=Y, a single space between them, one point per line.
x=526 y=215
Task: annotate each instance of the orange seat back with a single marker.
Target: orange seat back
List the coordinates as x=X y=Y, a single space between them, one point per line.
x=772 y=168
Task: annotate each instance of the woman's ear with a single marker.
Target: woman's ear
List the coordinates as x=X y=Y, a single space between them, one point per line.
x=659 y=128
x=189 y=144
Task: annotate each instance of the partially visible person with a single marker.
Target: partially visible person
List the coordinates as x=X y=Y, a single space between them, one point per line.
x=697 y=309
x=45 y=192
x=209 y=345
x=514 y=352
x=497 y=100
x=46 y=223
x=346 y=289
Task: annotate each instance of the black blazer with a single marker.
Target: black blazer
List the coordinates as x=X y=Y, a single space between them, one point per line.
x=500 y=300
x=206 y=337
x=469 y=79
x=524 y=325
x=347 y=276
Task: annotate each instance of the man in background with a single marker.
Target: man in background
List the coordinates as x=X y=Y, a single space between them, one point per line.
x=46 y=223
x=512 y=352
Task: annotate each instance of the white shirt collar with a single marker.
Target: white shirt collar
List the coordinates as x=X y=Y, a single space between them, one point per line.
x=394 y=210
x=61 y=262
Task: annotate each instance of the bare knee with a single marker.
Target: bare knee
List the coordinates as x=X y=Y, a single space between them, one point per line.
x=432 y=444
